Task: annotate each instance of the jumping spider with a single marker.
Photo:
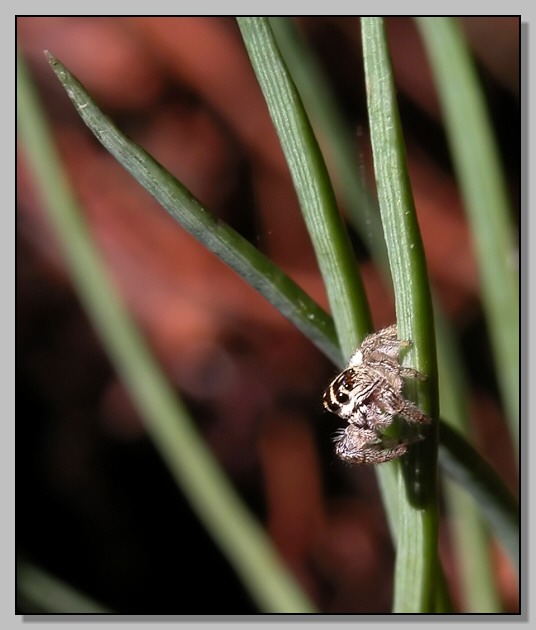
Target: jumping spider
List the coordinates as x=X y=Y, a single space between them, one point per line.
x=368 y=395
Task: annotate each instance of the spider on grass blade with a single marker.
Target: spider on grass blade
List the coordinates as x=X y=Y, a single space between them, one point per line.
x=368 y=395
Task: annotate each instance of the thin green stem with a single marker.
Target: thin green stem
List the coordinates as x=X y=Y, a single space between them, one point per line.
x=417 y=562
x=336 y=134
x=330 y=240
x=470 y=535
x=477 y=163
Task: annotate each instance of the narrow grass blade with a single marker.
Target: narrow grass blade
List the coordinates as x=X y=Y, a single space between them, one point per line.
x=480 y=480
x=218 y=237
x=330 y=239
x=324 y=112
x=40 y=592
x=469 y=534
x=195 y=470
x=417 y=561
x=479 y=172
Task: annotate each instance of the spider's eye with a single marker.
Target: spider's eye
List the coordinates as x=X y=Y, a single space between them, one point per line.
x=333 y=399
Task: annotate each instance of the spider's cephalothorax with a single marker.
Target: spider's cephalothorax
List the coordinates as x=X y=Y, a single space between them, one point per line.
x=368 y=395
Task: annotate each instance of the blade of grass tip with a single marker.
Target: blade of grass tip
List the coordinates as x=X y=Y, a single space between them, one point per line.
x=216 y=236
x=477 y=164
x=212 y=496
x=329 y=237
x=417 y=560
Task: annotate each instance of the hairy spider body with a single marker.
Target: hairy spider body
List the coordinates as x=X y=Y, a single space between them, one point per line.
x=368 y=394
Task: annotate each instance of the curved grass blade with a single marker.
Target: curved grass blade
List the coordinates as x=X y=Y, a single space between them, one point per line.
x=194 y=468
x=219 y=238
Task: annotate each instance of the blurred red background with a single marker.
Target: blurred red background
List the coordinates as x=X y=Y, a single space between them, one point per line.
x=110 y=519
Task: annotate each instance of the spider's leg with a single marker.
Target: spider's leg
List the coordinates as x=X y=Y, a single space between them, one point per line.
x=361 y=446
x=412 y=413
x=408 y=372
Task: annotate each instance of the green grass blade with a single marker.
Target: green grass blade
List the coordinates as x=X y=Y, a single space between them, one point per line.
x=218 y=237
x=463 y=464
x=416 y=562
x=323 y=110
x=480 y=175
x=39 y=592
x=330 y=240
x=328 y=234
x=470 y=536
x=195 y=470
